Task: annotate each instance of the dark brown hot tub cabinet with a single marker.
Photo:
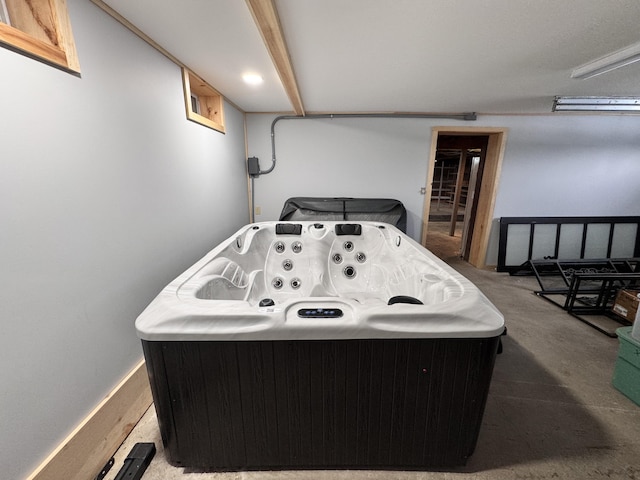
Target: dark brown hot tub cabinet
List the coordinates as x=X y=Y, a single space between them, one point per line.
x=320 y=404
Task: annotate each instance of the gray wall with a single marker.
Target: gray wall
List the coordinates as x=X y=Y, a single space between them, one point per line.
x=381 y=157
x=553 y=165
x=568 y=166
x=107 y=193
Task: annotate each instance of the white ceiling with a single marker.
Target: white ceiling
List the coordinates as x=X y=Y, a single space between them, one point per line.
x=485 y=56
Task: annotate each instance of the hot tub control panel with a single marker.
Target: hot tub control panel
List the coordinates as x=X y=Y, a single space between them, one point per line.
x=320 y=313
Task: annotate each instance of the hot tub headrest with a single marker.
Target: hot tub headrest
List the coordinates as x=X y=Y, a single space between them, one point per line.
x=288 y=229
x=348 y=229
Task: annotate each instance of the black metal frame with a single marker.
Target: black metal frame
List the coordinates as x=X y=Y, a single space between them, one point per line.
x=589 y=286
x=605 y=292
x=566 y=270
x=505 y=222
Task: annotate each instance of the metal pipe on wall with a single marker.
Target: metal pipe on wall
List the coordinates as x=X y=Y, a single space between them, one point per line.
x=469 y=116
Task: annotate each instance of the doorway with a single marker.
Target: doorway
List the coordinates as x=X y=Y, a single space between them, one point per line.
x=462 y=181
x=457 y=176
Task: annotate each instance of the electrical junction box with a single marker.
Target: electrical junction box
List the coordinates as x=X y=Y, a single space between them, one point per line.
x=253 y=167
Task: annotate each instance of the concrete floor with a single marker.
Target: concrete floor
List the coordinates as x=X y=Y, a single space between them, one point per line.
x=551 y=411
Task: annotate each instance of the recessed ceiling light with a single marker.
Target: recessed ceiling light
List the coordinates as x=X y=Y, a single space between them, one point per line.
x=252 y=78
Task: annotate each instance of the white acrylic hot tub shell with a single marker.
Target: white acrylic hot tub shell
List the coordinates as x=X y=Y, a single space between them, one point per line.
x=457 y=310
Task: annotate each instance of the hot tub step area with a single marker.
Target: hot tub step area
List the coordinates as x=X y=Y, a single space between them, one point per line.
x=358 y=404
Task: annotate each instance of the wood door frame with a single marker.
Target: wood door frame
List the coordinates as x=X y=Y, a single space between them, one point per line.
x=481 y=228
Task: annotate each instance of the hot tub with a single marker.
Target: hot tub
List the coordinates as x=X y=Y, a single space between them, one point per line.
x=319 y=345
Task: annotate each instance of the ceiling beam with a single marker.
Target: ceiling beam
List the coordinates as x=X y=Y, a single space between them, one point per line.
x=266 y=17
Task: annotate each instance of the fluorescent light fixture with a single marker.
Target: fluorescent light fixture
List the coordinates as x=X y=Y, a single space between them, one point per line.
x=609 y=62
x=252 y=78
x=596 y=104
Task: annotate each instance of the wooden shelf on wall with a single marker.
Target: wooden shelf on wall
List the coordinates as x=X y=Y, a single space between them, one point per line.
x=204 y=104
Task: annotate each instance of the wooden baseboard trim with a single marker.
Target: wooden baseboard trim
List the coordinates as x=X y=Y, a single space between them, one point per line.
x=89 y=447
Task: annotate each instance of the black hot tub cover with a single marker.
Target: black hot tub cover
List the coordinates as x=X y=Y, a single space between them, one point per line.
x=385 y=210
